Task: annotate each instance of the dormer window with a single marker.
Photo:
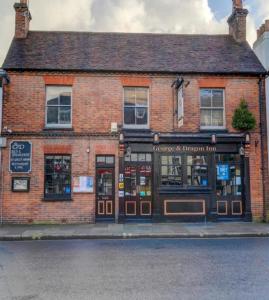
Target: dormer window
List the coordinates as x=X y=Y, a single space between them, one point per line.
x=58 y=106
x=136 y=107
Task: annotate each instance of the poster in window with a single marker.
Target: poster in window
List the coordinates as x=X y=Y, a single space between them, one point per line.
x=83 y=184
x=180 y=106
x=223 y=172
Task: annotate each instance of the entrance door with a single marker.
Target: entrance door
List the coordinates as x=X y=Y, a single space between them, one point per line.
x=105 y=204
x=229 y=186
x=138 y=185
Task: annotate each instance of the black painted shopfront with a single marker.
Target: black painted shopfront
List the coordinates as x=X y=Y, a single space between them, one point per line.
x=183 y=177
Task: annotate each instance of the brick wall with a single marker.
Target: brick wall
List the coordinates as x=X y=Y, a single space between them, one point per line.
x=30 y=207
x=98 y=101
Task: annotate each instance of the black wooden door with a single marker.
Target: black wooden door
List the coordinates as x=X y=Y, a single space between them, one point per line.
x=138 y=186
x=105 y=204
x=229 y=186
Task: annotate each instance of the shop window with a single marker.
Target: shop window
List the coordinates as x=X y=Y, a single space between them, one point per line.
x=136 y=106
x=197 y=170
x=58 y=177
x=171 y=170
x=212 y=108
x=228 y=171
x=58 y=106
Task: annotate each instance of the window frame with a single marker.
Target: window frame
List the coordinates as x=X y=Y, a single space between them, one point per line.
x=57 y=197
x=213 y=127
x=59 y=126
x=135 y=126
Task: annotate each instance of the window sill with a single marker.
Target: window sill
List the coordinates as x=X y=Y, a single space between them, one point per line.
x=58 y=128
x=56 y=199
x=213 y=129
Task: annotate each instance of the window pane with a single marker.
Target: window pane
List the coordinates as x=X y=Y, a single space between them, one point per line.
x=129 y=96
x=129 y=115
x=53 y=101
x=141 y=116
x=58 y=175
x=65 y=99
x=65 y=115
x=205 y=98
x=217 y=117
x=52 y=115
x=109 y=160
x=141 y=97
x=217 y=99
x=205 y=117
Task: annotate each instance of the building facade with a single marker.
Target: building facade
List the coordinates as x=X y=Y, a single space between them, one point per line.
x=132 y=127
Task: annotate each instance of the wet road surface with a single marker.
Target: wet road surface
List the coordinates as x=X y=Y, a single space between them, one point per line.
x=135 y=269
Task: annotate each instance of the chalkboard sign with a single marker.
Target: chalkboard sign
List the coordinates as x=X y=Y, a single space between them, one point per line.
x=20 y=157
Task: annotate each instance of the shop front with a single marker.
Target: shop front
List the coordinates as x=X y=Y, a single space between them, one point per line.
x=184 y=178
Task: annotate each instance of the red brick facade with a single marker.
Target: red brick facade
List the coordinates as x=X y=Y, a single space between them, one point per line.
x=97 y=101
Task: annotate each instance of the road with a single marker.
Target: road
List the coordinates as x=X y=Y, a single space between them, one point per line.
x=135 y=269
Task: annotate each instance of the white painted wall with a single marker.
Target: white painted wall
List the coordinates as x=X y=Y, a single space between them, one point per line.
x=261 y=48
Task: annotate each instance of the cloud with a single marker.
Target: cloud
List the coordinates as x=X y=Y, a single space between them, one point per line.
x=170 y=16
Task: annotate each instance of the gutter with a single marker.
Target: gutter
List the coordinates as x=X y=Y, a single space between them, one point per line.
x=221 y=73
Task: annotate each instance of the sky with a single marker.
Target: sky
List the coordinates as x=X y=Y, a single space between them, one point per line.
x=163 y=16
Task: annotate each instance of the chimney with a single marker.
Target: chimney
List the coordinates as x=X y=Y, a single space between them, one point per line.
x=23 y=18
x=238 y=21
x=264 y=28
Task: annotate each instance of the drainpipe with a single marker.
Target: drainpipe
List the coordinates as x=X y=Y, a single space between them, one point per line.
x=4 y=79
x=263 y=133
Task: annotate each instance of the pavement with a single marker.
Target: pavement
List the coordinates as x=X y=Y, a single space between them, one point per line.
x=133 y=231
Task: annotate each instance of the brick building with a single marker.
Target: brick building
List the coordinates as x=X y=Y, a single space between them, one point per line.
x=120 y=127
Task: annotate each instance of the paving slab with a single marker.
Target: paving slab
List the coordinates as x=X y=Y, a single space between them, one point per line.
x=123 y=231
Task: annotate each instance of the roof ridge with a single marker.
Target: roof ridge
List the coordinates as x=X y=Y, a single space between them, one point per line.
x=127 y=33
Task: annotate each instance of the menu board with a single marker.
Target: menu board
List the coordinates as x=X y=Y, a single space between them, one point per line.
x=83 y=184
x=20 y=157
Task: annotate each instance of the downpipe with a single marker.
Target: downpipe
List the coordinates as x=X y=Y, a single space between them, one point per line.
x=4 y=79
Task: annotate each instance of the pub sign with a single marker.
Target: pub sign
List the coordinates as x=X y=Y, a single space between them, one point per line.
x=20 y=157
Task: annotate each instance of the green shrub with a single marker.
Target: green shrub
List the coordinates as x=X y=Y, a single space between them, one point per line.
x=243 y=119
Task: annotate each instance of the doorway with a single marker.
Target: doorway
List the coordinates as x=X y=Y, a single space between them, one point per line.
x=105 y=187
x=229 y=186
x=138 y=186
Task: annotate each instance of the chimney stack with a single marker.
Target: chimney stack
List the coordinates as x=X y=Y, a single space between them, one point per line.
x=264 y=28
x=238 y=22
x=23 y=18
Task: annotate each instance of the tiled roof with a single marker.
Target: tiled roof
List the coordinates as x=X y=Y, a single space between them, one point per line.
x=131 y=52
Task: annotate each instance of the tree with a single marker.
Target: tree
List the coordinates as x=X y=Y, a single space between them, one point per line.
x=243 y=119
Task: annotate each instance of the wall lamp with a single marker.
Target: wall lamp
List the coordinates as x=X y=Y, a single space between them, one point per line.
x=121 y=138
x=156 y=138
x=213 y=138
x=247 y=138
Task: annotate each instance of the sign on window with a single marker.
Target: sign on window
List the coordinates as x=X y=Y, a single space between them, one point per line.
x=223 y=172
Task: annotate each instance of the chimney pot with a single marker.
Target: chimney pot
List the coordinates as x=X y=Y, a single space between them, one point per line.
x=237 y=4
